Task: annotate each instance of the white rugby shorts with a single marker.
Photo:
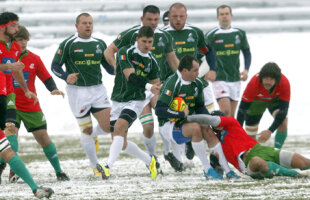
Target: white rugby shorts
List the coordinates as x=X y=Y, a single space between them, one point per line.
x=224 y=89
x=117 y=107
x=82 y=99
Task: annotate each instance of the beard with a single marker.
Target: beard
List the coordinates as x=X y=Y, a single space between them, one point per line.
x=10 y=35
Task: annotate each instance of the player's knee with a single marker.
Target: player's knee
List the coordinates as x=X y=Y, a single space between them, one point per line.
x=85 y=125
x=197 y=132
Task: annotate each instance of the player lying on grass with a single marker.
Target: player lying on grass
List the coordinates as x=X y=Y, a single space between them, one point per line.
x=247 y=155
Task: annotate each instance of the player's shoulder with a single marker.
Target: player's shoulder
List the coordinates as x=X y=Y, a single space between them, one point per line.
x=69 y=40
x=129 y=31
x=212 y=32
x=284 y=80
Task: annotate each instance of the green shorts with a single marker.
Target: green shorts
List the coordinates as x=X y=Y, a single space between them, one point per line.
x=32 y=120
x=10 y=101
x=264 y=152
x=259 y=107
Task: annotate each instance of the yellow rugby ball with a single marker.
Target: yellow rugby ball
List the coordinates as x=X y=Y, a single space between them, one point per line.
x=178 y=104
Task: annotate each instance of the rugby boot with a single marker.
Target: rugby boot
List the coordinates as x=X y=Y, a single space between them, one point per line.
x=104 y=170
x=232 y=175
x=62 y=176
x=214 y=162
x=13 y=178
x=174 y=162
x=212 y=175
x=152 y=168
x=189 y=151
x=43 y=192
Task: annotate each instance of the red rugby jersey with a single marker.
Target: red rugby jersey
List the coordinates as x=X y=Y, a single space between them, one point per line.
x=256 y=90
x=33 y=67
x=234 y=140
x=9 y=54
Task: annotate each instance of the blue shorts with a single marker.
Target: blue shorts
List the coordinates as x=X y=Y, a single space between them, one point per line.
x=178 y=136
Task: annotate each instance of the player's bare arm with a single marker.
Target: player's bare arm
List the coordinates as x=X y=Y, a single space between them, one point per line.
x=109 y=54
x=172 y=60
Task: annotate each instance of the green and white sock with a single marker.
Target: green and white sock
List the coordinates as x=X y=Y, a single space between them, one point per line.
x=51 y=154
x=277 y=170
x=20 y=169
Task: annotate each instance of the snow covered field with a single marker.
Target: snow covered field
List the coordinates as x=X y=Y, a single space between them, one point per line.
x=130 y=179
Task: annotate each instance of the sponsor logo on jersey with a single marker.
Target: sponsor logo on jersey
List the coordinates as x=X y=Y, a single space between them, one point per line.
x=87 y=62
x=59 y=51
x=153 y=48
x=16 y=53
x=89 y=55
x=219 y=41
x=190 y=38
x=160 y=42
x=78 y=50
x=260 y=95
x=7 y=60
x=181 y=42
x=98 y=50
x=229 y=45
x=123 y=57
x=237 y=39
x=31 y=66
x=11 y=103
x=227 y=52
x=196 y=92
x=266 y=98
x=189 y=97
x=182 y=95
x=185 y=50
x=119 y=37
x=0 y=51
x=167 y=92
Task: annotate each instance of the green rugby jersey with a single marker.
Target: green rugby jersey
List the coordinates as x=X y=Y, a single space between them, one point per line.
x=175 y=86
x=82 y=56
x=187 y=41
x=162 y=44
x=145 y=65
x=227 y=45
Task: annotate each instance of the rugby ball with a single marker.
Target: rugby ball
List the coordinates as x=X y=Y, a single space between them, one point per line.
x=177 y=104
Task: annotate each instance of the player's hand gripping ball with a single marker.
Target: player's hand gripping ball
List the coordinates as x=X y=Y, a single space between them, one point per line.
x=178 y=104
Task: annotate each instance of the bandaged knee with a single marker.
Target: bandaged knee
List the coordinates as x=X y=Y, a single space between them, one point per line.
x=84 y=124
x=146 y=119
x=251 y=130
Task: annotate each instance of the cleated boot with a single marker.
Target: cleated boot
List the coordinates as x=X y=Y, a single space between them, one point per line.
x=174 y=162
x=214 y=162
x=189 y=151
x=96 y=172
x=212 y=174
x=104 y=170
x=43 y=192
x=13 y=178
x=96 y=143
x=159 y=171
x=152 y=168
x=232 y=175
x=2 y=167
x=62 y=176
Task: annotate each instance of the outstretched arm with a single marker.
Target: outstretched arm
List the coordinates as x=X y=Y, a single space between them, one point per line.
x=205 y=119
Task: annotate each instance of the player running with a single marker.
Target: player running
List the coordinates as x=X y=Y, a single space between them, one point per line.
x=29 y=113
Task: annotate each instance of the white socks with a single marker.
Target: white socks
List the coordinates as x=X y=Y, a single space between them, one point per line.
x=88 y=145
x=150 y=144
x=98 y=131
x=115 y=149
x=133 y=150
x=222 y=159
x=200 y=151
x=166 y=142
